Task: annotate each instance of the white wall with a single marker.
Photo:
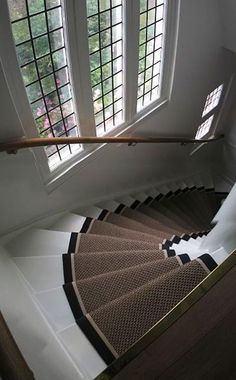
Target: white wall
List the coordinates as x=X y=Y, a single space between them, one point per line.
x=10 y=124
x=228 y=8
x=41 y=348
x=201 y=65
x=227 y=213
x=223 y=235
x=229 y=146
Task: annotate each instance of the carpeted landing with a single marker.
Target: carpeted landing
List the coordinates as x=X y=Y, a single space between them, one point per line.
x=120 y=275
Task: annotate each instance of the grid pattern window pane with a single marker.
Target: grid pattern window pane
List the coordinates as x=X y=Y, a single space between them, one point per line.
x=38 y=31
x=212 y=100
x=151 y=39
x=204 y=128
x=105 y=31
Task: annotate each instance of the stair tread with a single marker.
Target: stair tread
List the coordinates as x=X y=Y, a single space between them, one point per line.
x=128 y=314
x=161 y=224
x=123 y=221
x=105 y=228
x=175 y=213
x=37 y=242
x=99 y=243
x=191 y=208
x=102 y=289
x=110 y=205
x=89 y=211
x=195 y=198
x=155 y=214
x=43 y=272
x=68 y=223
x=73 y=222
x=96 y=263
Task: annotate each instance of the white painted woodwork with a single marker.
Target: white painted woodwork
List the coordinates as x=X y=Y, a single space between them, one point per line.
x=36 y=242
x=68 y=223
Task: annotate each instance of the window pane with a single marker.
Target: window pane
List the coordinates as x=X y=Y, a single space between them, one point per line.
x=204 y=128
x=44 y=66
x=54 y=18
x=38 y=24
x=59 y=59
x=35 y=6
x=152 y=28
x=20 y=31
x=52 y=3
x=34 y=92
x=29 y=73
x=212 y=100
x=56 y=39
x=40 y=46
x=48 y=84
x=106 y=61
x=52 y=100
x=17 y=9
x=25 y=53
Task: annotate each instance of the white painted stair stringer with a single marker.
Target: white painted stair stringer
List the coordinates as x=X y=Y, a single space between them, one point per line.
x=43 y=350
x=90 y=211
x=53 y=303
x=69 y=222
x=42 y=270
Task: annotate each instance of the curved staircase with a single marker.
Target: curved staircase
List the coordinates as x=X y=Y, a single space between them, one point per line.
x=105 y=274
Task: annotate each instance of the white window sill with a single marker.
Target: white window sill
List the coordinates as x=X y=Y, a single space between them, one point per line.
x=90 y=152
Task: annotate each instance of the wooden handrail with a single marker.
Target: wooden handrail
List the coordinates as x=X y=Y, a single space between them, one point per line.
x=13 y=146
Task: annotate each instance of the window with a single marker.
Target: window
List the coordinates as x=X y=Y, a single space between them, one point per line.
x=210 y=110
x=212 y=100
x=151 y=35
x=88 y=67
x=204 y=128
x=38 y=32
x=105 y=35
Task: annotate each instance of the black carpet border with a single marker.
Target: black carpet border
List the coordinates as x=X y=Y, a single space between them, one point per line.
x=73 y=301
x=95 y=340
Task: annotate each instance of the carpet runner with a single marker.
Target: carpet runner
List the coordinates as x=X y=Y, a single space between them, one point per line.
x=121 y=275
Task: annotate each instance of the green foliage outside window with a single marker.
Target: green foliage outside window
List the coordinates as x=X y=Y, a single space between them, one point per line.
x=39 y=37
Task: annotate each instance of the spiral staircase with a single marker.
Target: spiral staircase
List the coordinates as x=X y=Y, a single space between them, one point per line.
x=101 y=277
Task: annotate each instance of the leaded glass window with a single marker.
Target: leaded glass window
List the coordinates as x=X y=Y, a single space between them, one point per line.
x=38 y=30
x=105 y=31
x=151 y=41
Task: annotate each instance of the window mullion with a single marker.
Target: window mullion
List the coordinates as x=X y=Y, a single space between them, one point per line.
x=75 y=13
x=131 y=48
x=172 y=15
x=16 y=86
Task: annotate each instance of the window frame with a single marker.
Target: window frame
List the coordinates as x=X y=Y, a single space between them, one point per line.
x=217 y=113
x=214 y=112
x=78 y=57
